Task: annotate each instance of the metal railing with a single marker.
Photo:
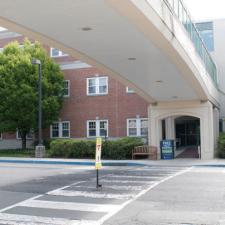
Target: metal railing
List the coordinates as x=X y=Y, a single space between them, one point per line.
x=181 y=12
x=177 y=8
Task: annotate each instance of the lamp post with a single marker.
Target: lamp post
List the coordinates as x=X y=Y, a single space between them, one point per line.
x=105 y=131
x=40 y=148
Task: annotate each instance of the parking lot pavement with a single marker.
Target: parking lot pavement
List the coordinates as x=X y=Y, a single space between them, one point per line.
x=67 y=197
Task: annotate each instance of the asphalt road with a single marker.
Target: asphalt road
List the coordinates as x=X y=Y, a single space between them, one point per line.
x=154 y=195
x=196 y=197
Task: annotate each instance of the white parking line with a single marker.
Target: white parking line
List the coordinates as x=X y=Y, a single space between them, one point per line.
x=69 y=206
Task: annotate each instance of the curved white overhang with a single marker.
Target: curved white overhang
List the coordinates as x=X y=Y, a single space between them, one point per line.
x=127 y=39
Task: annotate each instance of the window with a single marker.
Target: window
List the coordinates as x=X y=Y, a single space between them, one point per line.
x=60 y=129
x=66 y=88
x=137 y=127
x=55 y=130
x=132 y=127
x=30 y=135
x=129 y=90
x=96 y=128
x=206 y=32
x=103 y=128
x=97 y=86
x=92 y=129
x=144 y=127
x=54 y=52
x=0 y=135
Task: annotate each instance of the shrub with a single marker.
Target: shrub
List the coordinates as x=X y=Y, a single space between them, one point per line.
x=221 y=145
x=118 y=149
x=67 y=148
x=121 y=148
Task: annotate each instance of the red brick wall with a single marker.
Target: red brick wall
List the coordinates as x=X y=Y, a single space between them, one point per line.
x=116 y=107
x=9 y=135
x=5 y=41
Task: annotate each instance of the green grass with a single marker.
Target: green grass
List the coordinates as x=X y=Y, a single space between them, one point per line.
x=17 y=153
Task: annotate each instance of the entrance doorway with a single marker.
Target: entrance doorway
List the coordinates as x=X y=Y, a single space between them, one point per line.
x=187 y=131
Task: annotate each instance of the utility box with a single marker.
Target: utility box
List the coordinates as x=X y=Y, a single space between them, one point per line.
x=167 y=149
x=40 y=151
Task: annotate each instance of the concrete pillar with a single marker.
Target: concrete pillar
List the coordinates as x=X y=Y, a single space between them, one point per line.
x=201 y=110
x=170 y=128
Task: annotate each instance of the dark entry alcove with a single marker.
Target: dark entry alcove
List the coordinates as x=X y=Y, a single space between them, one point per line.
x=188 y=131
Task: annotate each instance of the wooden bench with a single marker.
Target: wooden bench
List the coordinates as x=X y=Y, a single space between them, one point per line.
x=150 y=151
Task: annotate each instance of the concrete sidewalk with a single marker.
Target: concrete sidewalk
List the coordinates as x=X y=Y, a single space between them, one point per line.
x=90 y=162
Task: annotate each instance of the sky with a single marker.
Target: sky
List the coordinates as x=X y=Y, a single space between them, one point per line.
x=201 y=10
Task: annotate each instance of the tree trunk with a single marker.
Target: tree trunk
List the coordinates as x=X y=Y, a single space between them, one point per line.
x=24 y=142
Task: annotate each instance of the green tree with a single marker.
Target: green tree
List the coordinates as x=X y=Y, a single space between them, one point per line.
x=19 y=88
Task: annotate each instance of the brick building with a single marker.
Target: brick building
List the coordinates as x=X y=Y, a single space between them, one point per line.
x=94 y=105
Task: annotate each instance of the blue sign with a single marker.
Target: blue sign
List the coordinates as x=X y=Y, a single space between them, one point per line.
x=167 y=149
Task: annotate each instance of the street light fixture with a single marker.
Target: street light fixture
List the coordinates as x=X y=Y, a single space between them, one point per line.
x=40 y=148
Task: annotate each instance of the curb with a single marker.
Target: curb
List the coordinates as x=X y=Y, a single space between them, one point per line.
x=85 y=163
x=211 y=165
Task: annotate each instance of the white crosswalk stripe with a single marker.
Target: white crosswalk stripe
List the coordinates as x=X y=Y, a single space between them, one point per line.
x=126 y=189
x=133 y=177
x=125 y=181
x=88 y=194
x=68 y=206
x=15 y=219
x=174 y=169
x=117 y=187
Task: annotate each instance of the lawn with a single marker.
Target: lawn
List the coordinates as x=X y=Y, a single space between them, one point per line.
x=17 y=153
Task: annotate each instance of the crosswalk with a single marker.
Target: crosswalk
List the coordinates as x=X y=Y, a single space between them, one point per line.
x=81 y=203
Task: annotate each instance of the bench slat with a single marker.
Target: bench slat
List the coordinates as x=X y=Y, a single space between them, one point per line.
x=145 y=150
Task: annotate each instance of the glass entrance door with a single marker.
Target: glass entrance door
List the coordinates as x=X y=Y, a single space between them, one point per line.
x=188 y=131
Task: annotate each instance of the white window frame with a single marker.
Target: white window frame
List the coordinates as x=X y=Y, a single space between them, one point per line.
x=60 y=124
x=138 y=127
x=27 y=137
x=97 y=127
x=141 y=127
x=61 y=54
x=129 y=90
x=97 y=86
x=68 y=81
x=62 y=129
